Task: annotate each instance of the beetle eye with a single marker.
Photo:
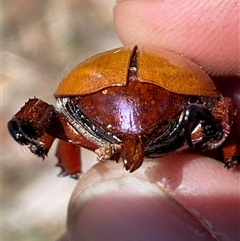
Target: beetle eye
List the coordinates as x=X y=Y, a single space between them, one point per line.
x=21 y=131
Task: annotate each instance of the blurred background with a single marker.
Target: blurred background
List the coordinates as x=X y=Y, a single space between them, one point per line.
x=41 y=41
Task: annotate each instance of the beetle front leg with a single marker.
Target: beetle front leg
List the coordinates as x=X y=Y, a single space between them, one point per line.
x=28 y=126
x=37 y=124
x=41 y=146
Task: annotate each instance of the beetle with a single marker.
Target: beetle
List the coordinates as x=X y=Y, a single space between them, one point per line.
x=129 y=103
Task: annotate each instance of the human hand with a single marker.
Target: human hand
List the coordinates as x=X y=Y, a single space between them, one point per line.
x=180 y=196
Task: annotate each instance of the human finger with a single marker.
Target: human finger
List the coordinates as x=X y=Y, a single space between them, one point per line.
x=205 y=31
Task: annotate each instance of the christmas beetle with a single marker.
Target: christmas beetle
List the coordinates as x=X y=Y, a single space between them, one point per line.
x=129 y=103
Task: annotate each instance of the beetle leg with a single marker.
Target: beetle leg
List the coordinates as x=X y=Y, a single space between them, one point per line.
x=37 y=124
x=231 y=149
x=132 y=152
x=232 y=162
x=216 y=126
x=28 y=126
x=225 y=112
x=42 y=145
x=189 y=122
x=196 y=114
x=69 y=160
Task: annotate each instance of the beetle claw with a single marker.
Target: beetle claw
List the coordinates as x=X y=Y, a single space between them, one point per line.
x=232 y=162
x=38 y=150
x=63 y=173
x=75 y=176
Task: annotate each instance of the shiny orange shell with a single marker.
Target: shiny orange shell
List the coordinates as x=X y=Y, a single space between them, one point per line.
x=163 y=68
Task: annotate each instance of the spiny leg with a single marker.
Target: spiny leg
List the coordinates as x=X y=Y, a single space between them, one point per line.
x=37 y=124
x=28 y=126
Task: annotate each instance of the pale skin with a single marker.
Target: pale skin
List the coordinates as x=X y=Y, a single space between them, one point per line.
x=180 y=196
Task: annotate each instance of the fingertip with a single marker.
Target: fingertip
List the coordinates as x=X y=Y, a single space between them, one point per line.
x=177 y=192
x=130 y=208
x=204 y=32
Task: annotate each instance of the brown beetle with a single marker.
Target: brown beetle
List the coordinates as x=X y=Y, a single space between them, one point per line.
x=129 y=102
